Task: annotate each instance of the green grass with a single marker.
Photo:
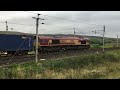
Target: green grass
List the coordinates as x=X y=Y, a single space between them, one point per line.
x=93 y=66
x=107 y=45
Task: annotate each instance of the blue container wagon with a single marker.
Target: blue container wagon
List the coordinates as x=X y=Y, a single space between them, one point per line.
x=19 y=44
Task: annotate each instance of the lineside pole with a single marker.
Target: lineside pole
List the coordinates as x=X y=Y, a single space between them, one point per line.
x=37 y=21
x=6 y=26
x=74 y=31
x=117 y=40
x=103 y=37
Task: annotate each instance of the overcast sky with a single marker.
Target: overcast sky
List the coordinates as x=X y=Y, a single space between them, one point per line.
x=86 y=22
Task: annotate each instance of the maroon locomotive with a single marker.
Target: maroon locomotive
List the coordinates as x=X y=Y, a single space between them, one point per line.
x=46 y=44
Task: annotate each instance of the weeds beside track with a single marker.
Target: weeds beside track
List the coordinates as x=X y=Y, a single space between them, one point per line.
x=51 y=55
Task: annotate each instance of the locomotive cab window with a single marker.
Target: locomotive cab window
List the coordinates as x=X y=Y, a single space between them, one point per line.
x=83 y=42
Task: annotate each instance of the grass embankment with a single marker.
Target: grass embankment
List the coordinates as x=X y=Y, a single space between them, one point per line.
x=107 y=45
x=94 y=66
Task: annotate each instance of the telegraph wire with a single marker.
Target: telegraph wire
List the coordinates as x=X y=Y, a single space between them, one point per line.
x=65 y=19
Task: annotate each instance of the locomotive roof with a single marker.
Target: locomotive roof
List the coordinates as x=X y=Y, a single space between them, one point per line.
x=63 y=37
x=51 y=37
x=13 y=33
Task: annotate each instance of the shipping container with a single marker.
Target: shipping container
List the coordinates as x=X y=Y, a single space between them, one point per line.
x=13 y=43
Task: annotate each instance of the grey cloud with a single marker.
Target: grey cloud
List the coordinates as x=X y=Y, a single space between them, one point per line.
x=53 y=25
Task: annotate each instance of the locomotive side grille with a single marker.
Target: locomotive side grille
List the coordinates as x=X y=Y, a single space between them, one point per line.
x=55 y=41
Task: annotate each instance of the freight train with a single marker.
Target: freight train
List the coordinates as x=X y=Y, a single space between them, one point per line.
x=21 y=43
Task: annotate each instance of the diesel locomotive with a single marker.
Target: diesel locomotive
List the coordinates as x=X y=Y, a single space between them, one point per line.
x=47 y=44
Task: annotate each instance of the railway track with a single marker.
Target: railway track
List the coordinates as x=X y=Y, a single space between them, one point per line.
x=6 y=60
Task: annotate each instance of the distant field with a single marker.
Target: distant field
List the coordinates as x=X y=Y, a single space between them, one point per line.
x=108 y=45
x=97 y=66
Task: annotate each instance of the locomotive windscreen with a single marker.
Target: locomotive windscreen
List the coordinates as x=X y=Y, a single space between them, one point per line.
x=83 y=42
